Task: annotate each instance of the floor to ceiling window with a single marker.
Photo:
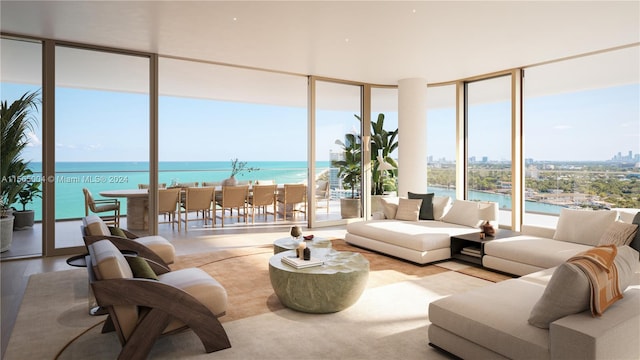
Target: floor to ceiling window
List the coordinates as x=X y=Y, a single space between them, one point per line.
x=101 y=129
x=488 y=143
x=582 y=148
x=384 y=121
x=441 y=140
x=21 y=74
x=338 y=144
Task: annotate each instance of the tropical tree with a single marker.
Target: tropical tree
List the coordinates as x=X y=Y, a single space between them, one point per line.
x=349 y=169
x=17 y=121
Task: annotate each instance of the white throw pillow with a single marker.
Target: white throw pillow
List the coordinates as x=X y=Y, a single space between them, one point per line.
x=463 y=212
x=619 y=234
x=390 y=206
x=583 y=226
x=409 y=209
x=441 y=205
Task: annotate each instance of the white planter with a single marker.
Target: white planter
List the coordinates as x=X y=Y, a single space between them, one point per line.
x=6 y=233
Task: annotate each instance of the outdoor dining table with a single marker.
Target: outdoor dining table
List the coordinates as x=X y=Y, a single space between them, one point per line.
x=138 y=205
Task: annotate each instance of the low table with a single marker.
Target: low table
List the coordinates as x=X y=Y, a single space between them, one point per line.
x=460 y=242
x=328 y=288
x=288 y=243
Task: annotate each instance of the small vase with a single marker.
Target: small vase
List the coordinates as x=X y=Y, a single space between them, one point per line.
x=231 y=181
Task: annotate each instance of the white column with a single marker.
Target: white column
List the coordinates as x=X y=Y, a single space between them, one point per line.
x=412 y=136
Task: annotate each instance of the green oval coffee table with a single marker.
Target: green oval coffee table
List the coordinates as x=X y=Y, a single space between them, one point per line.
x=328 y=288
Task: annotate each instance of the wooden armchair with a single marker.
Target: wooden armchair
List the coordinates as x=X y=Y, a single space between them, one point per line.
x=152 y=247
x=141 y=308
x=102 y=206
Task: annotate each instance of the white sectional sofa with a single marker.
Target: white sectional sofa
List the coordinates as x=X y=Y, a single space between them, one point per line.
x=408 y=237
x=493 y=322
x=541 y=248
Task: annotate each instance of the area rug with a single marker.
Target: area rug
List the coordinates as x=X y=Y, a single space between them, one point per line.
x=389 y=321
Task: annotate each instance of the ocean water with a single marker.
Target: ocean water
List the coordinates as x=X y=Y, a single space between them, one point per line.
x=72 y=177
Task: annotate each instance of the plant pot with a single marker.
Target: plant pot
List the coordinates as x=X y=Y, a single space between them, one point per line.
x=350 y=208
x=6 y=233
x=23 y=219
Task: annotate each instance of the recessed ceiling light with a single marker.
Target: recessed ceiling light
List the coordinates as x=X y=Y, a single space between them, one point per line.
x=346 y=40
x=413 y=11
x=235 y=19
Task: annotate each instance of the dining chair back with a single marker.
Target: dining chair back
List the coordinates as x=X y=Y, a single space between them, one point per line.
x=292 y=195
x=234 y=197
x=261 y=197
x=102 y=206
x=168 y=200
x=322 y=193
x=197 y=199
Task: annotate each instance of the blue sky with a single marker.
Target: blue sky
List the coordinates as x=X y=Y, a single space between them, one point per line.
x=105 y=126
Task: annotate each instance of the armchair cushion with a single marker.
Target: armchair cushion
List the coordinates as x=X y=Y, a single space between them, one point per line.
x=116 y=231
x=141 y=268
x=95 y=226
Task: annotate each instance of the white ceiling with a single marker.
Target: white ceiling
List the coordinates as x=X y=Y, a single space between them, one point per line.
x=377 y=42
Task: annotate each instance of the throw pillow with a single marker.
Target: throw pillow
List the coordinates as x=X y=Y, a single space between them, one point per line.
x=426 y=209
x=140 y=268
x=583 y=226
x=463 y=212
x=441 y=205
x=569 y=292
x=635 y=242
x=390 y=207
x=618 y=233
x=116 y=231
x=408 y=209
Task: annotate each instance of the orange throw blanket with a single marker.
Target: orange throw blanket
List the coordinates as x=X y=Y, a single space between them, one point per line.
x=602 y=273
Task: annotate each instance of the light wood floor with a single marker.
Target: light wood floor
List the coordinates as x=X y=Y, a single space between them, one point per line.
x=15 y=273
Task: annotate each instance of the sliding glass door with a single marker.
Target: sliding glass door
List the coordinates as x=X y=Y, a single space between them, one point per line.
x=337 y=152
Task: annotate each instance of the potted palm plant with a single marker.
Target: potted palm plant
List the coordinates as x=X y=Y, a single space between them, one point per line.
x=16 y=122
x=349 y=170
x=30 y=190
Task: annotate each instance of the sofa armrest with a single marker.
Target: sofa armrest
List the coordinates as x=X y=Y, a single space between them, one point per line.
x=539 y=231
x=613 y=336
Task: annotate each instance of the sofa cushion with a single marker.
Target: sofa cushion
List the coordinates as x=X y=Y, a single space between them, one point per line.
x=583 y=226
x=422 y=235
x=533 y=250
x=619 y=234
x=408 y=209
x=463 y=212
x=426 y=208
x=568 y=291
x=635 y=242
x=441 y=205
x=495 y=317
x=390 y=207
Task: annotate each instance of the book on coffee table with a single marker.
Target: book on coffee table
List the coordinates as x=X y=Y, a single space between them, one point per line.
x=301 y=264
